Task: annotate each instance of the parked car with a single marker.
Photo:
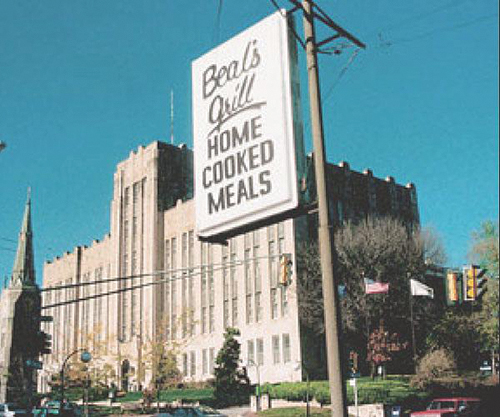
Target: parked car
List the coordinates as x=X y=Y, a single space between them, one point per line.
x=54 y=408
x=451 y=407
x=11 y=410
x=188 y=411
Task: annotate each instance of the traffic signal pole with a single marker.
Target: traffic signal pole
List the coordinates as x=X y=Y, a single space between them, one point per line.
x=325 y=237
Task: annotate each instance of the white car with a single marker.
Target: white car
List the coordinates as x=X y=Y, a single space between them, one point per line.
x=11 y=410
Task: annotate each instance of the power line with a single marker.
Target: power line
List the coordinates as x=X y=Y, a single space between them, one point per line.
x=7 y=249
x=209 y=269
x=443 y=29
x=170 y=271
x=216 y=33
x=341 y=74
x=425 y=14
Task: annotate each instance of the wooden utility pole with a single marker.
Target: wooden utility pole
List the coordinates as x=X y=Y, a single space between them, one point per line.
x=325 y=237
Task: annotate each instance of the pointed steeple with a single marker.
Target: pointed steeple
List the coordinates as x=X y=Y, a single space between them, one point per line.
x=23 y=272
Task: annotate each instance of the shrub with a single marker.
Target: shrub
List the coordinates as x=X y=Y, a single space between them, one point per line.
x=435 y=364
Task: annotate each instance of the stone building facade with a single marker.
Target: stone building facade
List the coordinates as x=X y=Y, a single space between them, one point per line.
x=165 y=284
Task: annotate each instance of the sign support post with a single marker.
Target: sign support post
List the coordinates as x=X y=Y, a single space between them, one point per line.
x=325 y=237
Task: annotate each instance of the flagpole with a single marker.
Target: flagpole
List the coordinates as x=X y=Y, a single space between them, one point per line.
x=367 y=314
x=412 y=324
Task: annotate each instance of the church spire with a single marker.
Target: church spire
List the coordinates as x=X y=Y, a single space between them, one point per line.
x=23 y=272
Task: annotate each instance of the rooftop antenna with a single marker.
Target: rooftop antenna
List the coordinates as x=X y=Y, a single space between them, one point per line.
x=171 y=117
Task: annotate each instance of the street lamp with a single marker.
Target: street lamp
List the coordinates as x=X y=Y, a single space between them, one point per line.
x=251 y=362
x=85 y=357
x=298 y=367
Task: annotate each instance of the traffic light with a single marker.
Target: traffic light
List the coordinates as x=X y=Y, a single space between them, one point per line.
x=472 y=275
x=481 y=287
x=353 y=362
x=44 y=343
x=452 y=296
x=285 y=268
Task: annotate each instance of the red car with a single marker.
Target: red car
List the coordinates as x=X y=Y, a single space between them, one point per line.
x=451 y=407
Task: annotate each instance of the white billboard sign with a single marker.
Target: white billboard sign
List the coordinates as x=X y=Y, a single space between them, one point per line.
x=244 y=150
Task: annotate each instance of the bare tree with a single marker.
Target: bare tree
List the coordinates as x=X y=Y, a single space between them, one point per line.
x=380 y=249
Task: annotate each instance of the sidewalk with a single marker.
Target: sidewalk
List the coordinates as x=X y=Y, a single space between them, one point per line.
x=242 y=411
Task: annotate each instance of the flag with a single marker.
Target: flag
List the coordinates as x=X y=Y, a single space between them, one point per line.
x=372 y=287
x=417 y=288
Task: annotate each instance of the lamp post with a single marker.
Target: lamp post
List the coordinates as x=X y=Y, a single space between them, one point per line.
x=299 y=367
x=85 y=357
x=252 y=363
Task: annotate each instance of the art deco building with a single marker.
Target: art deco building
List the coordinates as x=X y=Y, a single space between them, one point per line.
x=165 y=284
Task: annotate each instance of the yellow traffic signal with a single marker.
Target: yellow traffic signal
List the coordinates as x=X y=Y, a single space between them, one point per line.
x=470 y=282
x=285 y=268
x=451 y=278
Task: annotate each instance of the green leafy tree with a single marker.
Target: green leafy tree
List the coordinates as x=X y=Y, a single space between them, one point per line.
x=457 y=331
x=484 y=248
x=232 y=385
x=484 y=251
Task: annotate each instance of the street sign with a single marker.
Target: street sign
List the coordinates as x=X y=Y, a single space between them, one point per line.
x=35 y=364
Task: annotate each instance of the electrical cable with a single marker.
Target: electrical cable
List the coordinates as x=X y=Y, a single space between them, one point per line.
x=7 y=249
x=170 y=271
x=216 y=33
x=442 y=29
x=209 y=269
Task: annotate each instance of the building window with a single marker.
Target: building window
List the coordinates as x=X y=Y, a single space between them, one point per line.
x=257 y=277
x=173 y=327
x=258 y=307
x=281 y=251
x=276 y=349
x=211 y=360
x=234 y=283
x=166 y=290
x=185 y=312
x=248 y=284
x=185 y=364
x=225 y=288
x=192 y=307
x=204 y=358
x=250 y=352
x=287 y=357
x=260 y=352
x=211 y=318
x=204 y=316
x=193 y=363
x=273 y=272
x=203 y=290
x=274 y=303
x=248 y=304
x=173 y=290
x=211 y=290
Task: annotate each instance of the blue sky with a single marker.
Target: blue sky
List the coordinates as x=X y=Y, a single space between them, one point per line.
x=83 y=83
